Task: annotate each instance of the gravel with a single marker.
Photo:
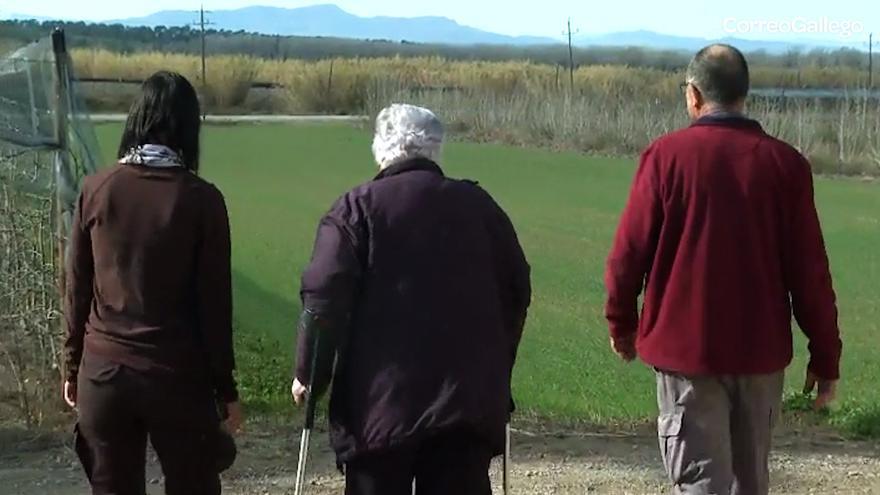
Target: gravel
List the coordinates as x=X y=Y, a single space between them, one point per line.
x=809 y=461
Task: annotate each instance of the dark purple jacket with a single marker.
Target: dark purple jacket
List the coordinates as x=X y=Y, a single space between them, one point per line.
x=433 y=286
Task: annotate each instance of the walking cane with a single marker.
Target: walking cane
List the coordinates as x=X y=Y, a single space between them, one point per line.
x=311 y=404
x=506 y=462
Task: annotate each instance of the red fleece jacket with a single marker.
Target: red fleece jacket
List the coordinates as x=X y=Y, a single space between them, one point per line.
x=721 y=231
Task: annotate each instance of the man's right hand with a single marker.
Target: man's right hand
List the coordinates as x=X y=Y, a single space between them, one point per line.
x=625 y=348
x=826 y=390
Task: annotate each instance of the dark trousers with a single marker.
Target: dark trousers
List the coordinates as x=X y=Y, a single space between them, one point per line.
x=449 y=464
x=120 y=408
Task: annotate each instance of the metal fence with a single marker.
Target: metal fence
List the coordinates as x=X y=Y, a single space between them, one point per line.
x=46 y=147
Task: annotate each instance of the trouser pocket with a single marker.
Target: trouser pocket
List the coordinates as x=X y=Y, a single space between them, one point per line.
x=81 y=447
x=225 y=449
x=668 y=433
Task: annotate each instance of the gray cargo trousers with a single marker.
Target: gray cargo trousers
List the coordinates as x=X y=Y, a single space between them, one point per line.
x=715 y=432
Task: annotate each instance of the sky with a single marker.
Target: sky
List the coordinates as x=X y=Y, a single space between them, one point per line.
x=700 y=18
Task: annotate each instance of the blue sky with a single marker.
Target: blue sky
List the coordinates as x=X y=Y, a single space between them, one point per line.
x=700 y=18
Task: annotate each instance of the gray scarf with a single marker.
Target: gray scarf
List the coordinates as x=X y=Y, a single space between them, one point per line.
x=152 y=155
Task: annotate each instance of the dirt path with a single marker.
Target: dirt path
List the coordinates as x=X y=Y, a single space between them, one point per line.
x=545 y=462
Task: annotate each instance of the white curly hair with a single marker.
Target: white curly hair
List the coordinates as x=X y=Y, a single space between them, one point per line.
x=404 y=132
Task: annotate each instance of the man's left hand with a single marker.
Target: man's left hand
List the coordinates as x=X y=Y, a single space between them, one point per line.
x=625 y=348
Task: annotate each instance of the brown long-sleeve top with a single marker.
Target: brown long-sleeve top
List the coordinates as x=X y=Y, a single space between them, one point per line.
x=149 y=276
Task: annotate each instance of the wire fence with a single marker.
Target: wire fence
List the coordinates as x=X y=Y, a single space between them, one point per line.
x=46 y=147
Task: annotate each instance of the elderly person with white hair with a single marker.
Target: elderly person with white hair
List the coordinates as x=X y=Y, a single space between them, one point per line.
x=419 y=289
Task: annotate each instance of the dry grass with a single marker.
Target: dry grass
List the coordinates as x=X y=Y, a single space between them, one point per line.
x=228 y=82
x=612 y=109
x=341 y=85
x=314 y=86
x=29 y=306
x=840 y=137
x=811 y=77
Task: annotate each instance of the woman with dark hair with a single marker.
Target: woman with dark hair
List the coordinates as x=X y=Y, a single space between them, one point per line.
x=149 y=308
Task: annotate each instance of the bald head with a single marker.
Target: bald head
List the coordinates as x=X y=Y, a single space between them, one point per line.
x=721 y=73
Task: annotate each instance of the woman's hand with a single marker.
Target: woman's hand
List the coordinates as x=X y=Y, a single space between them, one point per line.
x=299 y=392
x=234 y=418
x=69 y=393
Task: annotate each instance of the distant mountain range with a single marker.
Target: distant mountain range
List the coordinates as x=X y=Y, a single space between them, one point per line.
x=670 y=42
x=332 y=21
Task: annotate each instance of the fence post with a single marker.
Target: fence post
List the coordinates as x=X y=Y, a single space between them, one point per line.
x=329 y=104
x=35 y=122
x=62 y=155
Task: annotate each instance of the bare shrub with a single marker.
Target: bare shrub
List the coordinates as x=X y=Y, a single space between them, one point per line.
x=844 y=132
x=29 y=310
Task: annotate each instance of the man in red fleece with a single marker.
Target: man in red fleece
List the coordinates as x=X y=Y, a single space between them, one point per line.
x=721 y=231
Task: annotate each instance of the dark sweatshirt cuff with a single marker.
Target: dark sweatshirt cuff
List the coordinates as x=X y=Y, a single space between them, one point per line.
x=71 y=365
x=301 y=372
x=72 y=373
x=312 y=327
x=227 y=392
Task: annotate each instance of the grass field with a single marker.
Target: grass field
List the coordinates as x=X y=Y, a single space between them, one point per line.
x=278 y=180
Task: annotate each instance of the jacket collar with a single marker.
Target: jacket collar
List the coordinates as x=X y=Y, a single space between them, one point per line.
x=413 y=165
x=728 y=119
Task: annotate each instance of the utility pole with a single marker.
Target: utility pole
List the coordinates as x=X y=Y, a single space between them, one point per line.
x=202 y=28
x=871 y=61
x=201 y=25
x=568 y=32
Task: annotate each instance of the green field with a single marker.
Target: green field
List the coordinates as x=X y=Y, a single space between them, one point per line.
x=279 y=179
